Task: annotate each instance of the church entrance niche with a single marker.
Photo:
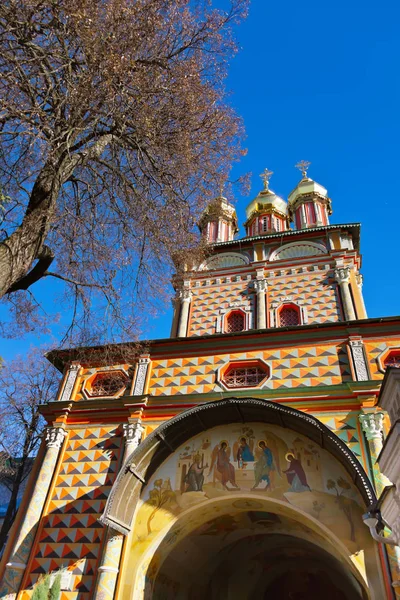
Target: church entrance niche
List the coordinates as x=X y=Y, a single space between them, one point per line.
x=253 y=555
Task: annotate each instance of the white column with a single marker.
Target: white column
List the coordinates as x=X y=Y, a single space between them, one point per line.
x=342 y=276
x=359 y=280
x=260 y=286
x=16 y=566
x=175 y=301
x=111 y=557
x=186 y=298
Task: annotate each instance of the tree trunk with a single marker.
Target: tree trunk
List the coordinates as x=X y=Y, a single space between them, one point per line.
x=19 y=251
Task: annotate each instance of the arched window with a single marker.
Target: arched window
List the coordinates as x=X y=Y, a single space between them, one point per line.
x=289 y=316
x=392 y=359
x=235 y=321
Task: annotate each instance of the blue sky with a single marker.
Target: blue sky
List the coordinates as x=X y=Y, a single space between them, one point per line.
x=320 y=81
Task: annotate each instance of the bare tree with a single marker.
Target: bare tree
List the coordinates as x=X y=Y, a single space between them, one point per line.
x=114 y=134
x=25 y=384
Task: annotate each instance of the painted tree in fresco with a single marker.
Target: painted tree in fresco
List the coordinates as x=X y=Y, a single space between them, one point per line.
x=114 y=134
x=345 y=504
x=25 y=384
x=160 y=496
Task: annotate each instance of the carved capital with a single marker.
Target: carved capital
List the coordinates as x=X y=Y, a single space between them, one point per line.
x=133 y=434
x=372 y=425
x=260 y=285
x=342 y=275
x=54 y=436
x=185 y=295
x=359 y=280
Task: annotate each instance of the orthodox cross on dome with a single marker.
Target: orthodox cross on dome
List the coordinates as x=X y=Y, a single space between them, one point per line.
x=303 y=166
x=266 y=176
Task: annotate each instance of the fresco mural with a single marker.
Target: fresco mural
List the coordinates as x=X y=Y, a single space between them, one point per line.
x=244 y=462
x=257 y=458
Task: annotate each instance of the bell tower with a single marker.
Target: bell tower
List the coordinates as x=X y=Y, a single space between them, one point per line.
x=267 y=213
x=276 y=276
x=309 y=205
x=218 y=222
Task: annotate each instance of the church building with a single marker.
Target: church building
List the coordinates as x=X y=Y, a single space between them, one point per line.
x=236 y=459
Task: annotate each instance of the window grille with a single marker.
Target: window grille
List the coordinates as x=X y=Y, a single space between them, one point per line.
x=107 y=385
x=288 y=317
x=237 y=377
x=235 y=322
x=393 y=360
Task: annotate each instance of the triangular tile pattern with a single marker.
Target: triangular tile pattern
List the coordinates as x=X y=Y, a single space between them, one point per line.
x=291 y=368
x=70 y=534
x=208 y=301
x=316 y=290
x=345 y=425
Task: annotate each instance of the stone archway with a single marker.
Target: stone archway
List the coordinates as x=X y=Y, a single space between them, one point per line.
x=254 y=548
x=241 y=449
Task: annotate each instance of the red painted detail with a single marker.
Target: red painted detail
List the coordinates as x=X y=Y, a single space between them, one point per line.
x=243 y=374
x=289 y=315
x=235 y=321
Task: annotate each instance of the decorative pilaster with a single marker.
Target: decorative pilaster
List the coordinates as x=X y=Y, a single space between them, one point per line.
x=186 y=298
x=133 y=436
x=68 y=388
x=260 y=286
x=372 y=426
x=359 y=281
x=140 y=376
x=54 y=437
x=342 y=276
x=110 y=560
x=359 y=362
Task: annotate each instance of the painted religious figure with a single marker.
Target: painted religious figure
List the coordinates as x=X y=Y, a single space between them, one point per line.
x=244 y=453
x=295 y=475
x=264 y=466
x=223 y=466
x=195 y=476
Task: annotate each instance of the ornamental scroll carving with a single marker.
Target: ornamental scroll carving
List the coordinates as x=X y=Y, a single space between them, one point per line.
x=70 y=382
x=360 y=366
x=141 y=374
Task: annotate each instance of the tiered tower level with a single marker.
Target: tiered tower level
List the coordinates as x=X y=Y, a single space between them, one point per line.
x=260 y=413
x=276 y=276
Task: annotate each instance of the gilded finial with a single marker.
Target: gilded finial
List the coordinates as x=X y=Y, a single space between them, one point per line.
x=266 y=176
x=303 y=166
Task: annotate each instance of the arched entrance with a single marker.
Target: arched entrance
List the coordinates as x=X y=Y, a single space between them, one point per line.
x=306 y=490
x=254 y=549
